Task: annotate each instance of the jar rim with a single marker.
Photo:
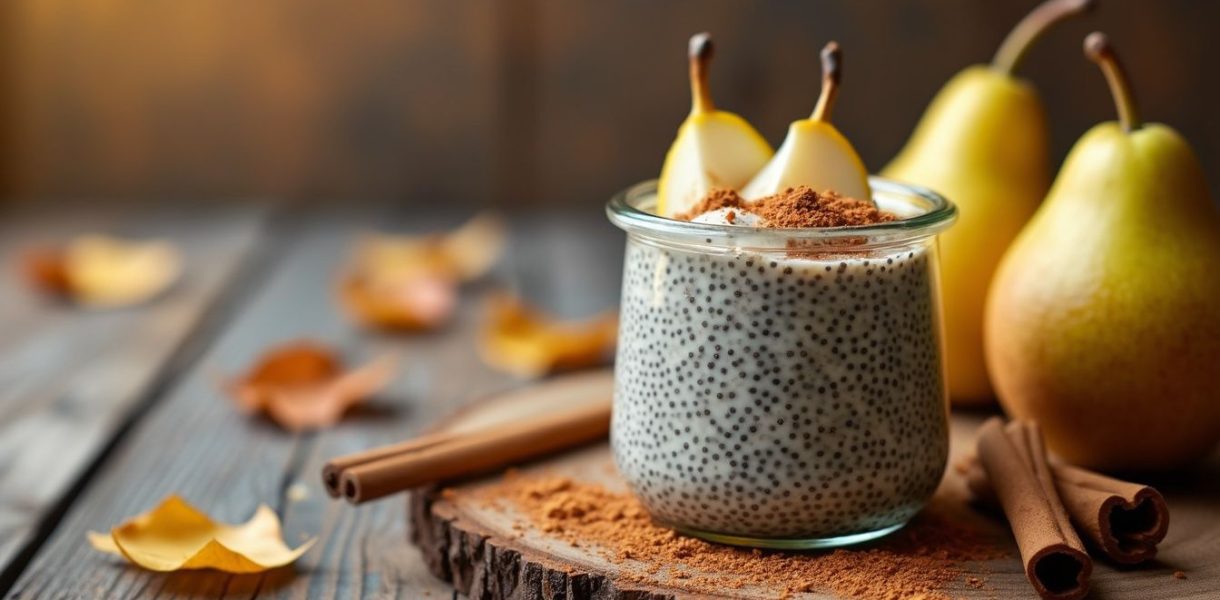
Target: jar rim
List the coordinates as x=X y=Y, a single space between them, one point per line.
x=625 y=211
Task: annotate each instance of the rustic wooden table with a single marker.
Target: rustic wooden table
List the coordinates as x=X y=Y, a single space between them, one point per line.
x=102 y=414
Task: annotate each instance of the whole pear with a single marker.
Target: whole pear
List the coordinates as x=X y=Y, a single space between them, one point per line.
x=983 y=143
x=1103 y=322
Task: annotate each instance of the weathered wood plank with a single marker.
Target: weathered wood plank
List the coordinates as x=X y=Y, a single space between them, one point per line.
x=363 y=551
x=194 y=443
x=568 y=265
x=70 y=378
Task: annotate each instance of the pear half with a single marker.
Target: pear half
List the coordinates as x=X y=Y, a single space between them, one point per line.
x=815 y=154
x=714 y=148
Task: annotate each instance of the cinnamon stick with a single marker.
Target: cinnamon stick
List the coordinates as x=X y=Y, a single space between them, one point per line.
x=464 y=454
x=332 y=471
x=1014 y=458
x=1122 y=520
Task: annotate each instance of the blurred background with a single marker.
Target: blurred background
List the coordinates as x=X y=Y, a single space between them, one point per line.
x=511 y=103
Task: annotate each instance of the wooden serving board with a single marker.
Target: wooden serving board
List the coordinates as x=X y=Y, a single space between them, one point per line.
x=480 y=547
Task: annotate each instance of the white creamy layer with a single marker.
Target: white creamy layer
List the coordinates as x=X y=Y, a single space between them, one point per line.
x=720 y=216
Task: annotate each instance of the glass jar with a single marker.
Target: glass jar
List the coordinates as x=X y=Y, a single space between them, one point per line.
x=782 y=388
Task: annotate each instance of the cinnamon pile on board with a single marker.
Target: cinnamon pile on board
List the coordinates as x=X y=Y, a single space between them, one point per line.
x=920 y=561
x=795 y=207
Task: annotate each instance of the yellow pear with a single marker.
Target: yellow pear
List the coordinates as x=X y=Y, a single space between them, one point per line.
x=983 y=143
x=1103 y=322
x=814 y=153
x=714 y=148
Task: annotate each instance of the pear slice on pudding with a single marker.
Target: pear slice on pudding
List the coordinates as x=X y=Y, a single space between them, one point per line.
x=815 y=154
x=714 y=148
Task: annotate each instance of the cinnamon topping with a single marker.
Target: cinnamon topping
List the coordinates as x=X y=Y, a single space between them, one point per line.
x=794 y=207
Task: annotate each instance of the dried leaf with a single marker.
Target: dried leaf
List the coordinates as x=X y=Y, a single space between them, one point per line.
x=463 y=254
x=104 y=272
x=302 y=385
x=473 y=248
x=44 y=268
x=176 y=536
x=412 y=304
x=527 y=343
x=410 y=282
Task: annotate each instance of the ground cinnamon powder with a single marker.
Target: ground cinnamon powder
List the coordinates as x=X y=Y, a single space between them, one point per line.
x=920 y=561
x=795 y=207
x=714 y=200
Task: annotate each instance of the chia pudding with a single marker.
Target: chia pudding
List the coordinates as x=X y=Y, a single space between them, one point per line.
x=774 y=397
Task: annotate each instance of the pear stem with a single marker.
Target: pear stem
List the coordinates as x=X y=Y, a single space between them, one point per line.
x=1099 y=50
x=1037 y=22
x=832 y=71
x=700 y=52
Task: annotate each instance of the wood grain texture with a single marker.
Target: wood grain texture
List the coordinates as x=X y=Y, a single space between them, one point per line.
x=297 y=98
x=195 y=443
x=364 y=550
x=71 y=377
x=474 y=544
x=530 y=102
